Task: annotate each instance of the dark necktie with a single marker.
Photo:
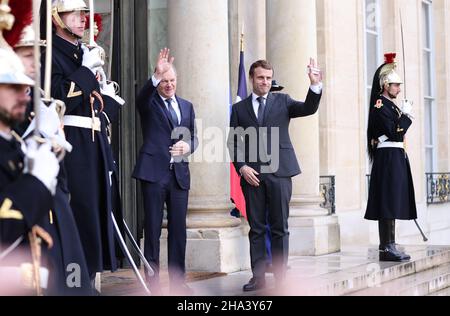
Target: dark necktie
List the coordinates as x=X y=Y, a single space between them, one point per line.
x=261 y=110
x=172 y=112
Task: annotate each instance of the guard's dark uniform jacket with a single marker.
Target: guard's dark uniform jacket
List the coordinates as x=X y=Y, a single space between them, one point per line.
x=90 y=164
x=391 y=192
x=67 y=255
x=24 y=200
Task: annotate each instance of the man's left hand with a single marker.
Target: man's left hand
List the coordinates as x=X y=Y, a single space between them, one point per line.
x=180 y=149
x=314 y=72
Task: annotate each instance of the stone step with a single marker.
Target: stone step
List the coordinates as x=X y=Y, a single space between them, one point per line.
x=372 y=273
x=445 y=292
x=353 y=271
x=418 y=284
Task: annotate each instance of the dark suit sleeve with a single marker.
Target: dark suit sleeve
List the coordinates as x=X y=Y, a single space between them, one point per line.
x=301 y=109
x=235 y=143
x=75 y=89
x=23 y=203
x=145 y=95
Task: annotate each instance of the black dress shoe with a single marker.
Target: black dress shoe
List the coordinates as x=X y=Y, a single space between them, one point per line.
x=390 y=253
x=405 y=255
x=255 y=284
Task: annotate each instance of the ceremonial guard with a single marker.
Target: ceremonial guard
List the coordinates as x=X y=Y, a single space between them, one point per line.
x=27 y=183
x=68 y=269
x=391 y=192
x=78 y=80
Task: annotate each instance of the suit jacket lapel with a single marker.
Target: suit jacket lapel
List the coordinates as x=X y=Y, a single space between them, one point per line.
x=251 y=111
x=182 y=108
x=159 y=103
x=269 y=105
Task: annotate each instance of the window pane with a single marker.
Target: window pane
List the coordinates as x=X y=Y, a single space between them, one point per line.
x=427 y=76
x=371 y=15
x=369 y=92
x=426 y=25
x=429 y=160
x=157 y=29
x=372 y=56
x=428 y=123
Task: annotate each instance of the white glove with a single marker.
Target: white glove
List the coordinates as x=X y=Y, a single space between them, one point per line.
x=41 y=162
x=91 y=58
x=109 y=90
x=50 y=122
x=101 y=76
x=50 y=126
x=407 y=107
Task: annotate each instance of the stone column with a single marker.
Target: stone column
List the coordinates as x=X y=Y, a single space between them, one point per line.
x=442 y=62
x=198 y=38
x=291 y=41
x=250 y=15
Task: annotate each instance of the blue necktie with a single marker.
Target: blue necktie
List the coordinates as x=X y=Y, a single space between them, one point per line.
x=261 y=110
x=172 y=112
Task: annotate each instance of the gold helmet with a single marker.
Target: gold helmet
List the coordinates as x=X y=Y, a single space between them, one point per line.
x=388 y=75
x=6 y=21
x=63 y=6
x=12 y=70
x=28 y=38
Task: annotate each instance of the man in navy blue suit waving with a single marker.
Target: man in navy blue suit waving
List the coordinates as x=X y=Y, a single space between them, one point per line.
x=168 y=127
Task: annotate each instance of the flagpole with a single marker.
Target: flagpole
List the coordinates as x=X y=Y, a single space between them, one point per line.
x=242 y=38
x=236 y=194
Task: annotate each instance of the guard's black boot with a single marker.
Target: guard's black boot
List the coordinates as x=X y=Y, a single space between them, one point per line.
x=405 y=257
x=390 y=253
x=388 y=250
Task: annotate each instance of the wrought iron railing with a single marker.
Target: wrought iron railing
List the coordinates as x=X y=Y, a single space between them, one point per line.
x=327 y=191
x=438 y=188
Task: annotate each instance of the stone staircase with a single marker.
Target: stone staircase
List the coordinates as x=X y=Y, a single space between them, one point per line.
x=427 y=273
x=354 y=271
x=424 y=283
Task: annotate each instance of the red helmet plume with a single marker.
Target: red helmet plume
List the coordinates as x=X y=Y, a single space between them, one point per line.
x=98 y=24
x=23 y=16
x=389 y=58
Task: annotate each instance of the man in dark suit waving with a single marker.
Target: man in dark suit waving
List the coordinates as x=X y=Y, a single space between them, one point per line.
x=262 y=153
x=169 y=134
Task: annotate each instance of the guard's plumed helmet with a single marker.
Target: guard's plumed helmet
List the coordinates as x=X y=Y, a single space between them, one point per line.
x=12 y=70
x=28 y=38
x=388 y=75
x=64 y=6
